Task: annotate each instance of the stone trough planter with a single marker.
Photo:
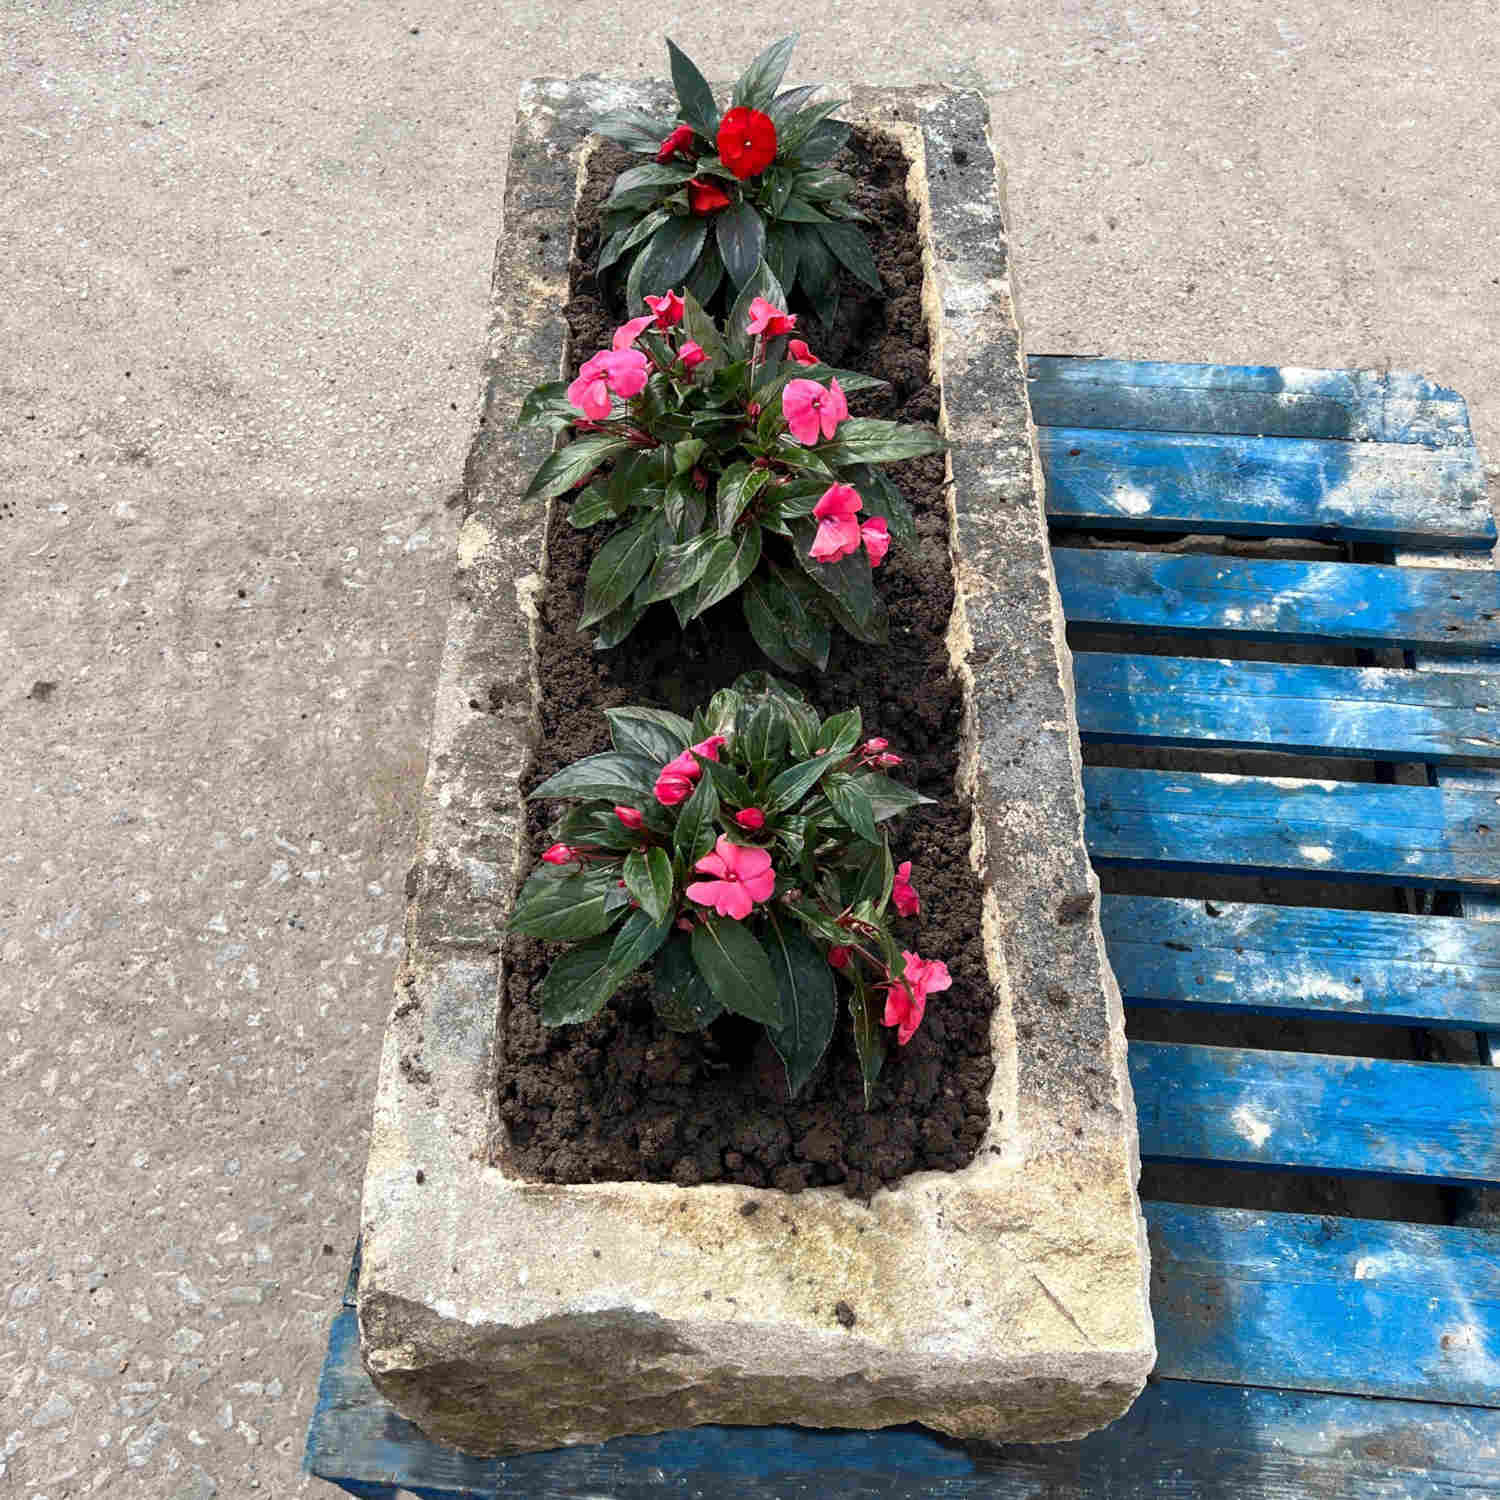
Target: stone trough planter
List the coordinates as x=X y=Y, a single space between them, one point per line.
x=1004 y=1301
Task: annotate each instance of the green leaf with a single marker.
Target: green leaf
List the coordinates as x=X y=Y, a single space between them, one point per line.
x=729 y=783
x=738 y=486
x=776 y=189
x=637 y=940
x=784 y=106
x=680 y=566
x=673 y=250
x=822 y=185
x=641 y=185
x=737 y=970
x=823 y=143
x=589 y=507
x=867 y=440
x=851 y=249
x=593 y=824
x=767 y=627
x=809 y=1003
x=869 y=1039
x=620 y=564
x=616 y=776
x=762 y=734
x=618 y=624
x=653 y=732
x=817 y=271
x=578 y=983
x=633 y=129
x=756 y=86
x=680 y=993
x=576 y=462
x=731 y=561
x=761 y=284
x=701 y=329
x=882 y=498
x=839 y=735
x=781 y=255
x=693 y=94
x=887 y=797
x=684 y=507
x=694 y=835
x=796 y=211
x=568 y=906
x=648 y=877
x=548 y=406
x=741 y=235
x=789 y=788
x=848 y=580
x=722 y=712
x=877 y=878
x=704 y=281
x=852 y=804
x=800 y=127
x=683 y=605
x=624 y=240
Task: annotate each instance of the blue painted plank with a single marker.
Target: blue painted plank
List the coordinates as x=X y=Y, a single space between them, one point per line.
x=1370 y=712
x=1390 y=835
x=1396 y=493
x=1181 y=1439
x=1252 y=400
x=1304 y=961
x=1366 y=1117
x=1331 y=603
x=1307 y=1302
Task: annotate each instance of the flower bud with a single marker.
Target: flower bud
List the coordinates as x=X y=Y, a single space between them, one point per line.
x=631 y=817
x=839 y=957
x=559 y=854
x=875 y=746
x=752 y=818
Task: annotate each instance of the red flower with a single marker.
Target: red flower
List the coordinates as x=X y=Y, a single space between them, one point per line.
x=770 y=320
x=706 y=197
x=752 y=818
x=668 y=309
x=675 y=144
x=708 y=749
x=631 y=817
x=691 y=355
x=559 y=854
x=747 y=142
x=839 y=957
x=797 y=349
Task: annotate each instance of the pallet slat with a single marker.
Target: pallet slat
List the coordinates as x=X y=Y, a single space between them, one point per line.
x=1182 y=1438
x=1248 y=400
x=1310 y=1302
x=1388 y=835
x=1304 y=1111
x=1304 y=961
x=1326 y=603
x=1370 y=712
x=1396 y=493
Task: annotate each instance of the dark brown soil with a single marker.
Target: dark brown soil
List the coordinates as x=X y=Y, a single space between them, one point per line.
x=623 y=1098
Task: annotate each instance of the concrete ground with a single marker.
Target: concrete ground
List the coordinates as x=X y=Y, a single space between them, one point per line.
x=242 y=309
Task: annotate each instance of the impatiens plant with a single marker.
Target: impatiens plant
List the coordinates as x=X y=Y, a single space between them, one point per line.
x=736 y=469
x=742 y=854
x=721 y=192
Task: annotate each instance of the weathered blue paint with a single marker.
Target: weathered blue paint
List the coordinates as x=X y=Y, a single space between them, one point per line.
x=1182 y=1438
x=1306 y=1302
x=1249 y=400
x=1395 y=493
x=1307 y=710
x=1391 y=835
x=1305 y=1111
x=1304 y=961
x=1330 y=603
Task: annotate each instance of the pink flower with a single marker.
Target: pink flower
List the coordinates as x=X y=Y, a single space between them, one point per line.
x=874 y=746
x=808 y=407
x=708 y=749
x=627 y=333
x=743 y=877
x=622 y=371
x=631 y=817
x=839 y=957
x=769 y=320
x=675 y=144
x=904 y=893
x=671 y=789
x=906 y=1003
x=559 y=854
x=691 y=355
x=876 y=536
x=838 y=530
x=887 y=761
x=801 y=353
x=668 y=309
x=752 y=818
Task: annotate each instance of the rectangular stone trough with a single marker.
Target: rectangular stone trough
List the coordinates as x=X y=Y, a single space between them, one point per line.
x=1004 y=1301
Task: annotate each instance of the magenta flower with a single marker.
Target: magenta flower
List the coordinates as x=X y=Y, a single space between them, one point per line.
x=838 y=529
x=769 y=320
x=904 y=893
x=668 y=309
x=809 y=408
x=627 y=333
x=906 y=1003
x=670 y=789
x=887 y=761
x=691 y=355
x=742 y=877
x=708 y=749
x=631 y=817
x=799 y=351
x=874 y=745
x=752 y=818
x=839 y=957
x=876 y=536
x=677 y=143
x=621 y=371
x=559 y=854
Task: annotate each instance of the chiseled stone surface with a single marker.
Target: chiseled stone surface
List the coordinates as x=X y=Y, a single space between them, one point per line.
x=1004 y=1301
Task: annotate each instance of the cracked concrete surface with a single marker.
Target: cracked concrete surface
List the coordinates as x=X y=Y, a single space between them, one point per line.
x=247 y=253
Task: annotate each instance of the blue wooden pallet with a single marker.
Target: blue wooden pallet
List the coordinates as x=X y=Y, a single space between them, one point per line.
x=1299 y=1355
